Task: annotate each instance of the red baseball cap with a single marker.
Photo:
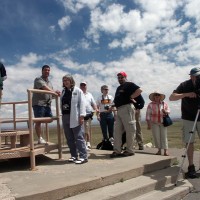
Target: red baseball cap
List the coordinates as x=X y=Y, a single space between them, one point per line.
x=122 y=74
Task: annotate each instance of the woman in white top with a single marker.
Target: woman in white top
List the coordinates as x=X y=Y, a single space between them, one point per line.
x=73 y=107
x=105 y=114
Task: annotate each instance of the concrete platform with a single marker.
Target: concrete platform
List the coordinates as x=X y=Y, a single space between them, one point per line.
x=59 y=179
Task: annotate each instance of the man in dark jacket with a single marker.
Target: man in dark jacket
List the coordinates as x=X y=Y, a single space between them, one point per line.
x=3 y=77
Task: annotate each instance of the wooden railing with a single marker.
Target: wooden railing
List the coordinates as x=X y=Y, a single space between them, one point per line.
x=32 y=149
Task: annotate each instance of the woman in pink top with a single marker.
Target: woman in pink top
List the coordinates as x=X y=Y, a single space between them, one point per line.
x=154 y=117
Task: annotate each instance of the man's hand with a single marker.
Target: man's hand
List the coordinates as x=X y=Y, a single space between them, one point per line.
x=81 y=120
x=58 y=92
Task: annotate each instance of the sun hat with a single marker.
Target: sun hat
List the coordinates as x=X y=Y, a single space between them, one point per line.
x=151 y=96
x=195 y=71
x=122 y=74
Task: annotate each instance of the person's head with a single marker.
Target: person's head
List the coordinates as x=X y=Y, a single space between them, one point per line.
x=122 y=77
x=68 y=81
x=194 y=73
x=104 y=89
x=45 y=71
x=156 y=96
x=83 y=86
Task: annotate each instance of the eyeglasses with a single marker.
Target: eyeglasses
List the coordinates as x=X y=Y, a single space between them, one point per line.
x=157 y=95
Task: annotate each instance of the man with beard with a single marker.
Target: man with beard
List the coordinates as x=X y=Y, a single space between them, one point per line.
x=125 y=120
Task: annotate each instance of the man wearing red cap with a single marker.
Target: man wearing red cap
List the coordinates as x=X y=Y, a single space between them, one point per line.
x=125 y=120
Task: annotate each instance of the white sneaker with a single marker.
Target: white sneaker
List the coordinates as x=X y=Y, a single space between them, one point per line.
x=111 y=140
x=41 y=141
x=81 y=161
x=87 y=148
x=88 y=145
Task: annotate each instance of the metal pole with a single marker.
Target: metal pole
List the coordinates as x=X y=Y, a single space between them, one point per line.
x=184 y=156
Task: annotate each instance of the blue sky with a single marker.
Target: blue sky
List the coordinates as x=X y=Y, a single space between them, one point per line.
x=156 y=42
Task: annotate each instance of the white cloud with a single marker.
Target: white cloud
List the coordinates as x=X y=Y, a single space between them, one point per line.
x=64 y=22
x=192 y=9
x=164 y=49
x=76 y=5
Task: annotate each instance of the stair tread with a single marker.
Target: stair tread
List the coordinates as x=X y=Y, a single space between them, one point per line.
x=137 y=186
x=169 y=192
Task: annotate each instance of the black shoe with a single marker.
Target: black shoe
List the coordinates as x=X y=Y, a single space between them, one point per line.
x=81 y=161
x=126 y=153
x=115 y=155
x=191 y=172
x=141 y=147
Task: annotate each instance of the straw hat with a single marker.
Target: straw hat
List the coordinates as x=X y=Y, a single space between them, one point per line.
x=151 y=96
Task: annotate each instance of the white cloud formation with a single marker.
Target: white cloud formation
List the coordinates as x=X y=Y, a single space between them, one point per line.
x=76 y=5
x=164 y=48
x=64 y=22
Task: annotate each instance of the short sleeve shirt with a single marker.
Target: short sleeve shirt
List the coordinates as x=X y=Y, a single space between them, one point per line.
x=89 y=102
x=189 y=106
x=102 y=101
x=41 y=99
x=124 y=92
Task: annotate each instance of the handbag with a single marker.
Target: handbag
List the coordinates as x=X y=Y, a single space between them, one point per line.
x=167 y=121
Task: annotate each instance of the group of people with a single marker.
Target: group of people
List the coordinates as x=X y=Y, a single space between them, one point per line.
x=78 y=105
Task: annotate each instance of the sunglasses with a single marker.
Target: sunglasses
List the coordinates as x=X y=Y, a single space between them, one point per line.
x=105 y=89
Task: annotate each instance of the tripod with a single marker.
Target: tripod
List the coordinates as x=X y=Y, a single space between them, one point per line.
x=184 y=156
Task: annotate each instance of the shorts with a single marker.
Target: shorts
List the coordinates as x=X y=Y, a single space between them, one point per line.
x=87 y=125
x=42 y=111
x=187 y=128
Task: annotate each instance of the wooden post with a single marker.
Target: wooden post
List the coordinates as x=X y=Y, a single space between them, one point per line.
x=32 y=153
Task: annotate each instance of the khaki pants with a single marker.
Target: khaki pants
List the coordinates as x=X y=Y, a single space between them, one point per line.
x=87 y=130
x=160 y=136
x=125 y=121
x=139 y=137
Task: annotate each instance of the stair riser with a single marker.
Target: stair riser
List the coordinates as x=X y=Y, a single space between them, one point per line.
x=99 y=182
x=135 y=192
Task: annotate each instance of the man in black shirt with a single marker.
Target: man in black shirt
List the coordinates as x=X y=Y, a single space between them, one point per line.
x=3 y=77
x=125 y=120
x=189 y=107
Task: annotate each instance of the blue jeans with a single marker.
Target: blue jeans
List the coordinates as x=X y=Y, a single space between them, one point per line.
x=75 y=138
x=107 y=124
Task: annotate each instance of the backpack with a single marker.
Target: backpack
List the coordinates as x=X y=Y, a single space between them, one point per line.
x=139 y=102
x=105 y=145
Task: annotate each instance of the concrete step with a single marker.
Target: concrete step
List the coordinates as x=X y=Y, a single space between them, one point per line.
x=58 y=179
x=150 y=184
x=169 y=192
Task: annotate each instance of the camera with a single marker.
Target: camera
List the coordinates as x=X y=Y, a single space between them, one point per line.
x=107 y=107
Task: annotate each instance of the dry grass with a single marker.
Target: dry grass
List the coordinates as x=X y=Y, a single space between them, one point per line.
x=174 y=135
